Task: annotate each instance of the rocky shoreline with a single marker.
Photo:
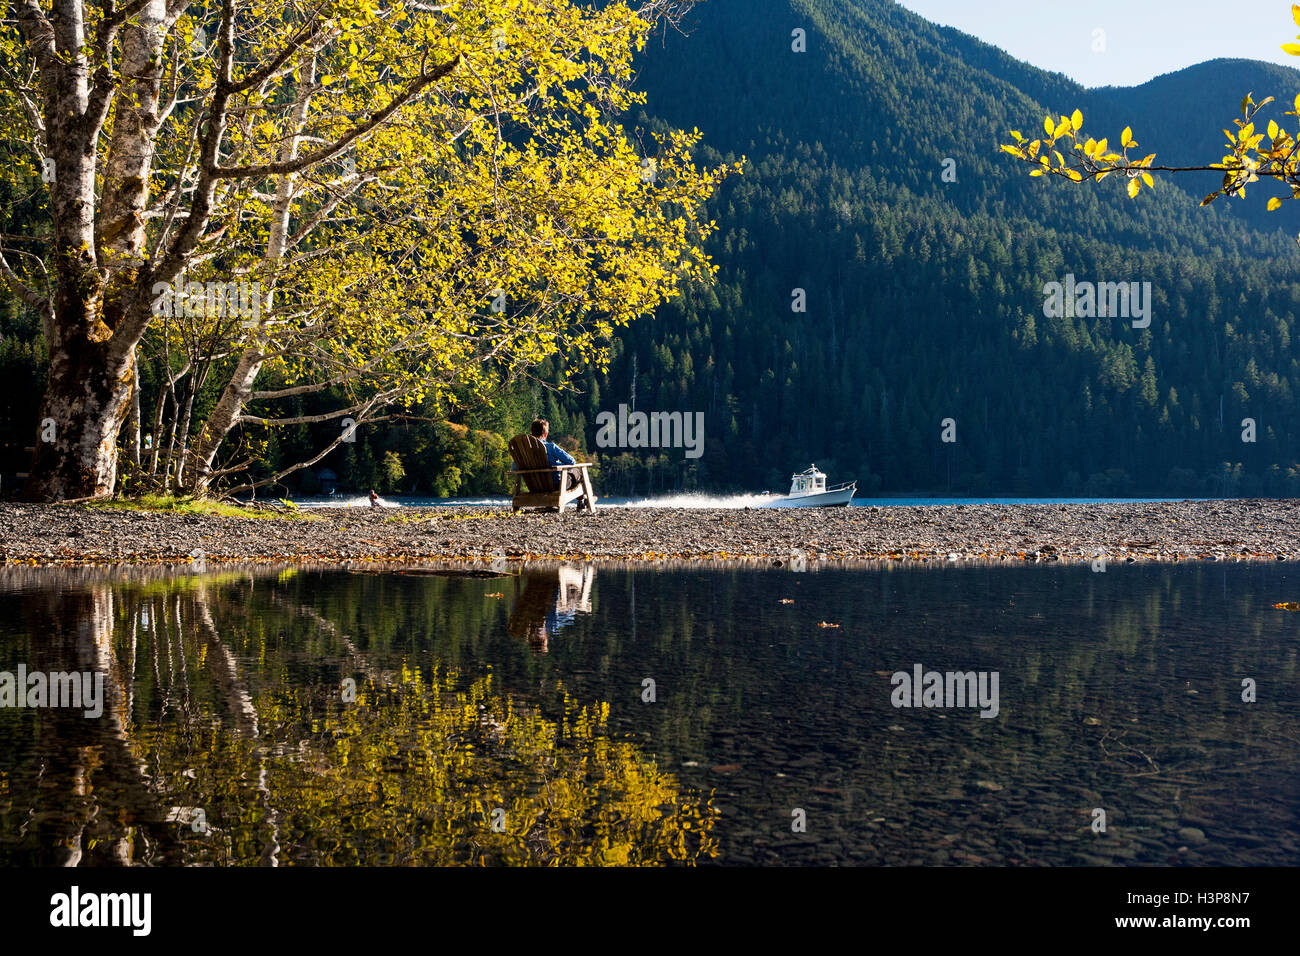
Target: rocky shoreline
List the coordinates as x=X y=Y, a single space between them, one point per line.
x=71 y=535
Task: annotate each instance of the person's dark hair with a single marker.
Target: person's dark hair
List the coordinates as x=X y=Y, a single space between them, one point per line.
x=540 y=427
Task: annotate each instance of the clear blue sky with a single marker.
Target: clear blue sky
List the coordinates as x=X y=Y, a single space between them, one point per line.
x=1143 y=38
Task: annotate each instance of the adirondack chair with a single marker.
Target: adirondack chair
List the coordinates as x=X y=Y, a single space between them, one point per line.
x=537 y=473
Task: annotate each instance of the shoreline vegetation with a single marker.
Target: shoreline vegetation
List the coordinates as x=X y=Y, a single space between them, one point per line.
x=177 y=531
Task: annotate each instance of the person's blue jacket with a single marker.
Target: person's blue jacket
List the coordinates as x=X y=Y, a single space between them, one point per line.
x=557 y=456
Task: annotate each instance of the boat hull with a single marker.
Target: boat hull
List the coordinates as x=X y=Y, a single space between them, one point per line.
x=839 y=498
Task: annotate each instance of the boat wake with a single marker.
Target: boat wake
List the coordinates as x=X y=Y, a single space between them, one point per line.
x=704 y=501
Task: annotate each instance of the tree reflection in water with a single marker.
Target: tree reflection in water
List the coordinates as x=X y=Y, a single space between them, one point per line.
x=228 y=704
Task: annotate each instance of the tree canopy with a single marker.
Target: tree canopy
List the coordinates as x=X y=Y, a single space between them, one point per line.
x=384 y=202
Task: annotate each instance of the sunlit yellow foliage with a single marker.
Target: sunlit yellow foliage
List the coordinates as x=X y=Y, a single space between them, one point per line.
x=1252 y=155
x=502 y=215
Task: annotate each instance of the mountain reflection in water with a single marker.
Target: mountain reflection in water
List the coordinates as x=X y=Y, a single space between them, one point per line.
x=317 y=716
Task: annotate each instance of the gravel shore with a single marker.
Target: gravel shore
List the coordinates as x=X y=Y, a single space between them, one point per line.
x=1207 y=530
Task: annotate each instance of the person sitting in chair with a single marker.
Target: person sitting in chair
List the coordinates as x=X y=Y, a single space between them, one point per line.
x=554 y=453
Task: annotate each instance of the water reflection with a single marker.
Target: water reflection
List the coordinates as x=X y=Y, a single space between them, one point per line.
x=320 y=716
x=246 y=725
x=550 y=601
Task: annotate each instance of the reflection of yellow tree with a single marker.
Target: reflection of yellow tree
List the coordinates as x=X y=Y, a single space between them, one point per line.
x=423 y=767
x=202 y=714
x=412 y=773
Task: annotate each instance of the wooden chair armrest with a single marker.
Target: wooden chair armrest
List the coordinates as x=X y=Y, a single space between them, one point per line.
x=543 y=471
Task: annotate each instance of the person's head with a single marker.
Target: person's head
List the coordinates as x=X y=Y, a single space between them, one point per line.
x=541 y=427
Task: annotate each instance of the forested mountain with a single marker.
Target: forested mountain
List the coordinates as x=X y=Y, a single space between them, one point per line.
x=924 y=292
x=925 y=297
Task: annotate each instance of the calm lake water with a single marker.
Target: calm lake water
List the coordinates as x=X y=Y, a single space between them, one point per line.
x=513 y=719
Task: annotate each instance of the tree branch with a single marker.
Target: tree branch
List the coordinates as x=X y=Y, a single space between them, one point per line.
x=318 y=156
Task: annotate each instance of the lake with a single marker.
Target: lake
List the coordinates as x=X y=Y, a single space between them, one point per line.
x=611 y=714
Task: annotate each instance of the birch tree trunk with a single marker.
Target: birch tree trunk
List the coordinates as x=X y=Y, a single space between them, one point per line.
x=97 y=257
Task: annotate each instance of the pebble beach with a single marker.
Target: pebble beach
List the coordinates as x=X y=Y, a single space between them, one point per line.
x=1230 y=530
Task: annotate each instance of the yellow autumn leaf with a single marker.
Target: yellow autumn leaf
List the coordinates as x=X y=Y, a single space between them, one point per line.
x=1126 y=137
x=1274 y=203
x=1076 y=119
x=1151 y=183
x=1133 y=187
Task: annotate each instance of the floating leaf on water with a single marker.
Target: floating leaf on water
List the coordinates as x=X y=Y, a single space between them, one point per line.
x=1288 y=606
x=826 y=624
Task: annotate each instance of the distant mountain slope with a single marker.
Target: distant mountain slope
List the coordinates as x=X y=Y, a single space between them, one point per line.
x=881 y=88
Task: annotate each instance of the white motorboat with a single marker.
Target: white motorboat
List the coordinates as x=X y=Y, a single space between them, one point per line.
x=808 y=490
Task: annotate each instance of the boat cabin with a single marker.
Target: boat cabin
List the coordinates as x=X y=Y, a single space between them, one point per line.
x=810 y=482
